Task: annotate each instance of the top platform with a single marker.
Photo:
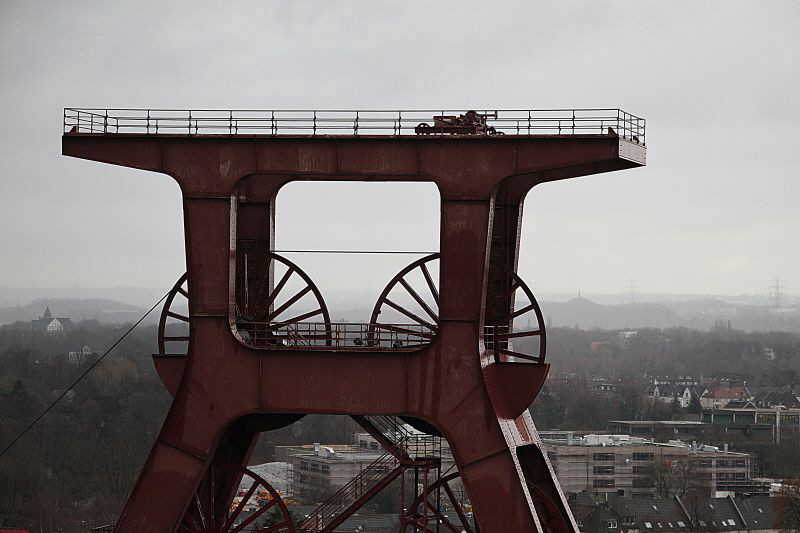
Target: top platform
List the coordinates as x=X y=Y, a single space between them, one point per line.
x=354 y=123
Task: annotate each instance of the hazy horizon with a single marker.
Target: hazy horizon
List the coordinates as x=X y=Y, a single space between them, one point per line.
x=714 y=212
x=146 y=296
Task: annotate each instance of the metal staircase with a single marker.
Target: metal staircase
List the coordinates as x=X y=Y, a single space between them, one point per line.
x=402 y=450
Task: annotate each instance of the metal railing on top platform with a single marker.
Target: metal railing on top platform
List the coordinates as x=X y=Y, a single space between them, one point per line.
x=335 y=335
x=440 y=122
x=350 y=336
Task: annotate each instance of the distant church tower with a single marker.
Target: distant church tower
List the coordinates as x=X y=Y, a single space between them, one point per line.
x=49 y=325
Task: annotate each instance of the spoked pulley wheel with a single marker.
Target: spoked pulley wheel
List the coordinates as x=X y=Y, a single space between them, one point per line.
x=439 y=509
x=279 y=304
x=412 y=300
x=512 y=313
x=406 y=314
x=173 y=325
x=232 y=499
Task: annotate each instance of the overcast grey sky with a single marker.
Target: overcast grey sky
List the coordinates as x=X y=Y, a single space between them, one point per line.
x=715 y=210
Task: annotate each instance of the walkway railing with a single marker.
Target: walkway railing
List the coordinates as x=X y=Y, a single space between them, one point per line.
x=353 y=336
x=440 y=122
x=335 y=335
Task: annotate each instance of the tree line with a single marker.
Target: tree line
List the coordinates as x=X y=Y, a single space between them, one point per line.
x=76 y=467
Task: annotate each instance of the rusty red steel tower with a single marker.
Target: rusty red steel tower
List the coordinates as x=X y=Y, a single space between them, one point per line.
x=258 y=325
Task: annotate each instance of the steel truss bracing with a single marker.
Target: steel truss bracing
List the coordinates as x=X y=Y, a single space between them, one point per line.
x=456 y=343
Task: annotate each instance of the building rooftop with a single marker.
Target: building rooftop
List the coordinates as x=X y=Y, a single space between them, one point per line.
x=338 y=453
x=658 y=422
x=754 y=409
x=674 y=514
x=606 y=441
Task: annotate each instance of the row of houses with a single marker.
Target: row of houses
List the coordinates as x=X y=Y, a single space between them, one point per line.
x=618 y=513
x=725 y=394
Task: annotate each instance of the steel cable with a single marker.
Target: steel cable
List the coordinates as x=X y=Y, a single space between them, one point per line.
x=83 y=375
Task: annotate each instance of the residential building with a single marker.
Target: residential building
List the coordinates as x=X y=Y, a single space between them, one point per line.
x=667 y=393
x=47 y=324
x=666 y=389
x=79 y=356
x=605 y=386
x=687 y=381
x=620 y=513
x=717 y=396
x=776 y=397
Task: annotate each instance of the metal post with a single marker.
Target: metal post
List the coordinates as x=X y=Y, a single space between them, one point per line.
x=416 y=489
x=402 y=496
x=439 y=487
x=425 y=497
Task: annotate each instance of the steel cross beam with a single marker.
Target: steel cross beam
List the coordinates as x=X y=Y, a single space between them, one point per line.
x=479 y=405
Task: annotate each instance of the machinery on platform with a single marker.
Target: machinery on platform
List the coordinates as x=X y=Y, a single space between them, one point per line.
x=438 y=353
x=469 y=123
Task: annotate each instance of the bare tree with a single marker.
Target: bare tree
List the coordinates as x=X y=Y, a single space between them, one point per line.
x=700 y=515
x=787 y=506
x=685 y=479
x=678 y=478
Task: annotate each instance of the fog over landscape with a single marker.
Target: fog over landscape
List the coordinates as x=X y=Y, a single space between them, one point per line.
x=668 y=293
x=714 y=212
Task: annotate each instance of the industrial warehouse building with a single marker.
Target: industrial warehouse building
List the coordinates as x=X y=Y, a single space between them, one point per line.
x=608 y=463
